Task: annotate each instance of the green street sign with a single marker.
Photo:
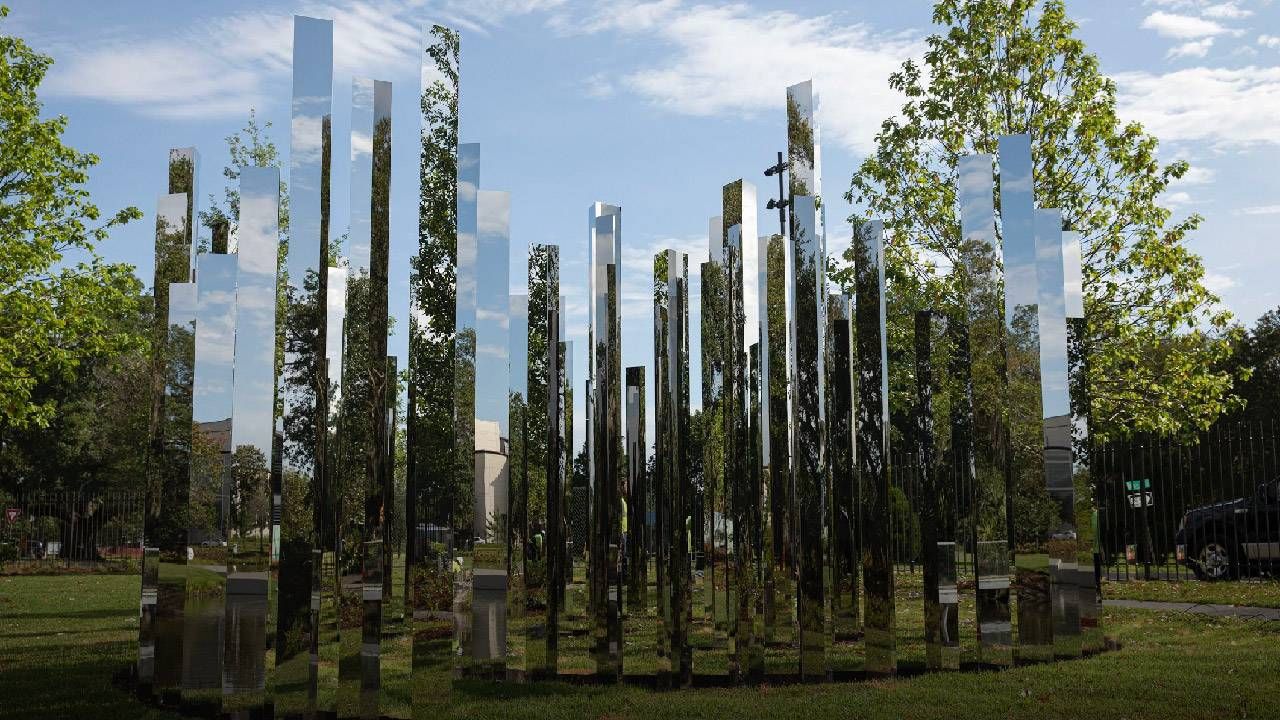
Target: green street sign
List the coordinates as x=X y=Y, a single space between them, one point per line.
x=1137 y=485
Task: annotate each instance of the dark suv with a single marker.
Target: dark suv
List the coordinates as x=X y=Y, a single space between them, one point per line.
x=1229 y=539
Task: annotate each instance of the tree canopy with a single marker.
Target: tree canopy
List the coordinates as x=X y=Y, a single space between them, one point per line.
x=54 y=313
x=1156 y=335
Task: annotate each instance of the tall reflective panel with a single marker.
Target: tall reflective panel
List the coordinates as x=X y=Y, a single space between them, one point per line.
x=361 y=466
x=674 y=529
x=1055 y=403
x=543 y=552
x=808 y=302
x=1022 y=348
x=465 y=377
x=742 y=330
x=639 y=618
x=207 y=526
x=1089 y=600
x=306 y=622
x=606 y=441
x=432 y=482
x=184 y=179
x=840 y=466
x=873 y=447
x=978 y=460
x=779 y=630
x=168 y=475
x=250 y=538
x=712 y=613
x=486 y=642
x=521 y=635
x=941 y=604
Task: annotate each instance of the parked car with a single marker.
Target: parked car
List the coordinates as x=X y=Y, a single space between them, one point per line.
x=1233 y=538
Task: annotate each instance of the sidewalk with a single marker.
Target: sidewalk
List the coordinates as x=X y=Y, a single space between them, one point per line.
x=1241 y=611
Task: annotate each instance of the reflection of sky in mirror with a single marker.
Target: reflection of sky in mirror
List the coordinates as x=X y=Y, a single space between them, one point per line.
x=715 y=239
x=357 y=250
x=493 y=242
x=337 y=304
x=1052 y=314
x=256 y=307
x=877 y=256
x=1072 y=274
x=750 y=261
x=519 y=361
x=468 y=184
x=977 y=203
x=762 y=313
x=215 y=337
x=312 y=87
x=182 y=304
x=1016 y=207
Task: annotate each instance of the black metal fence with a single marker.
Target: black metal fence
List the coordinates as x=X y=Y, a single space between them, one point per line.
x=67 y=529
x=1222 y=487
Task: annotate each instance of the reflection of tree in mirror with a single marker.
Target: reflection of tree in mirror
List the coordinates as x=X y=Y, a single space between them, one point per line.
x=1004 y=68
x=438 y=494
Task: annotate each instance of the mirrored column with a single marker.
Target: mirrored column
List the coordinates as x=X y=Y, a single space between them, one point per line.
x=306 y=623
x=809 y=423
x=168 y=475
x=1089 y=600
x=544 y=497
x=977 y=427
x=941 y=622
x=184 y=179
x=207 y=526
x=840 y=466
x=712 y=620
x=741 y=331
x=779 y=542
x=1059 y=463
x=521 y=635
x=359 y=435
x=606 y=503
x=873 y=447
x=465 y=379
x=250 y=524
x=808 y=302
x=432 y=483
x=487 y=642
x=1022 y=357
x=639 y=617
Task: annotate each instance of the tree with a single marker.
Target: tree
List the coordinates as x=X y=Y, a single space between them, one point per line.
x=53 y=316
x=1155 y=334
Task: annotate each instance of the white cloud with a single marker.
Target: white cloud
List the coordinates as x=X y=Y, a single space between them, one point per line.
x=1183 y=27
x=1226 y=11
x=1261 y=210
x=1269 y=41
x=1177 y=199
x=1216 y=282
x=733 y=59
x=218 y=66
x=1194 y=48
x=1205 y=104
x=599 y=86
x=1197 y=175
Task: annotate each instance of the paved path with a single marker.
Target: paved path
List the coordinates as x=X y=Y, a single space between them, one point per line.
x=1241 y=611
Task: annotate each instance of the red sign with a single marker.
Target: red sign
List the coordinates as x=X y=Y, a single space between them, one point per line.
x=12 y=514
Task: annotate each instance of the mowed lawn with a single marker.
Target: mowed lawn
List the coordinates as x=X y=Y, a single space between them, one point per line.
x=63 y=638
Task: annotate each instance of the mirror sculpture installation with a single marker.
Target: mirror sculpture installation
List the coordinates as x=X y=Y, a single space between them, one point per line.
x=288 y=568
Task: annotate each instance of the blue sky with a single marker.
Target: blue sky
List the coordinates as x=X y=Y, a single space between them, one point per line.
x=650 y=105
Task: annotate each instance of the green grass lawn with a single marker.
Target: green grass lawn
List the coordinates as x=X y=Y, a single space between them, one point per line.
x=63 y=637
x=1254 y=593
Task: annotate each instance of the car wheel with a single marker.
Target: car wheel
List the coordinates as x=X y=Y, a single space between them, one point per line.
x=1214 y=562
